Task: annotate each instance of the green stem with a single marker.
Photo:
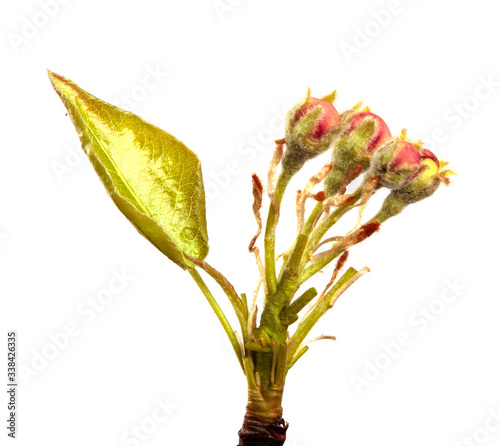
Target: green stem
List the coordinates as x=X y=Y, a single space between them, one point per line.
x=298 y=248
x=319 y=310
x=312 y=218
x=290 y=314
x=297 y=356
x=219 y=313
x=303 y=252
x=333 y=218
x=317 y=266
x=269 y=238
x=289 y=280
x=240 y=307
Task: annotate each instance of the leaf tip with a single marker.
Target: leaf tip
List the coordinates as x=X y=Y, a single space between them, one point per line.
x=61 y=85
x=54 y=78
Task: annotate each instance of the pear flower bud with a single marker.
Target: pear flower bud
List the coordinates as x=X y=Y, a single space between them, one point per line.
x=365 y=133
x=424 y=184
x=311 y=127
x=396 y=163
x=327 y=118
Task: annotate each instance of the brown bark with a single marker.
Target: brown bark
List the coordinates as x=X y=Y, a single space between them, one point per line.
x=259 y=432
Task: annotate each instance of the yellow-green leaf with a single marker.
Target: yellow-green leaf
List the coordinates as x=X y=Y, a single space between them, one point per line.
x=153 y=178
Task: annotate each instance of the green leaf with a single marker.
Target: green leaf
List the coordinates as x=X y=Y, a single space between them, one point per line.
x=153 y=178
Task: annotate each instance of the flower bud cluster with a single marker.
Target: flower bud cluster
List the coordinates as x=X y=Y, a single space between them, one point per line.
x=361 y=141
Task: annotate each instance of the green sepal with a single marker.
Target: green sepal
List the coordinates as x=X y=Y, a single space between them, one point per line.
x=330 y=97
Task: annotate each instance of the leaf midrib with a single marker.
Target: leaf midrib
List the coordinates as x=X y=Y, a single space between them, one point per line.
x=142 y=207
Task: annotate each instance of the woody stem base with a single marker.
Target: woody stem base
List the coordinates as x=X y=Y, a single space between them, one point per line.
x=263 y=424
x=262 y=432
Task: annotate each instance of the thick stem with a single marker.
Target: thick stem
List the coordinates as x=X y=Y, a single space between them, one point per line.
x=263 y=424
x=256 y=432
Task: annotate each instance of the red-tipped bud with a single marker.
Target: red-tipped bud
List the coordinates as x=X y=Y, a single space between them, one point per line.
x=365 y=133
x=427 y=180
x=311 y=128
x=406 y=157
x=396 y=163
x=327 y=117
x=373 y=138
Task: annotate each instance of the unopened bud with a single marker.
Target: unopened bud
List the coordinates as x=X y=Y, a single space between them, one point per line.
x=365 y=133
x=396 y=163
x=311 y=128
x=423 y=185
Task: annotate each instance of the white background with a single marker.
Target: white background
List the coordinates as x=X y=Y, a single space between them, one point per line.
x=226 y=71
